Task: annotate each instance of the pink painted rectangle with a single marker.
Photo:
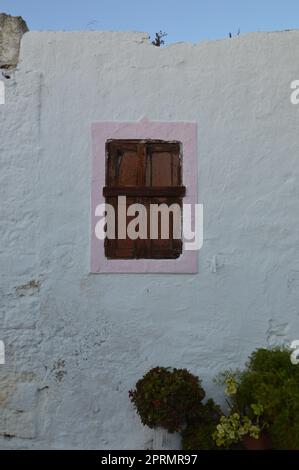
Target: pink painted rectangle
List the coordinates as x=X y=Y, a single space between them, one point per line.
x=186 y=133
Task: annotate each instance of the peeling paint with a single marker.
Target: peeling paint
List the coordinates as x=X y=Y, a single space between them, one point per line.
x=30 y=288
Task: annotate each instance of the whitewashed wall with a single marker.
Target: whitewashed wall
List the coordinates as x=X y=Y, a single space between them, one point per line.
x=75 y=342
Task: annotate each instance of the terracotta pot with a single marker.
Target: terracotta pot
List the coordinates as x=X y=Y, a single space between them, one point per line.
x=250 y=443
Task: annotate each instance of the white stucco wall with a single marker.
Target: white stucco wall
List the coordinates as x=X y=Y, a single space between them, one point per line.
x=75 y=342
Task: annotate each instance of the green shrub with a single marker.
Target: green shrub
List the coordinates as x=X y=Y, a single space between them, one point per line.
x=198 y=434
x=271 y=380
x=199 y=437
x=167 y=398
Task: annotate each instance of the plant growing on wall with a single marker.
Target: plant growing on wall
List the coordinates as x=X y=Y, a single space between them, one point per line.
x=167 y=398
x=159 y=39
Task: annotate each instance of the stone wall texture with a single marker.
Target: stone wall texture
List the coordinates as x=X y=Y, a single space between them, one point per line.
x=12 y=29
x=76 y=342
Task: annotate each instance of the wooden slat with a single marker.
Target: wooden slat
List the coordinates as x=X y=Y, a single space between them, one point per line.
x=145 y=191
x=141 y=152
x=146 y=172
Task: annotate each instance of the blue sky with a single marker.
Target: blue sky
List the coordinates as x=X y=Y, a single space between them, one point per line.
x=189 y=20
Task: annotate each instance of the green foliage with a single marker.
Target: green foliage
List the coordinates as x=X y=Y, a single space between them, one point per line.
x=263 y=402
x=272 y=381
x=241 y=421
x=198 y=434
x=199 y=437
x=167 y=398
x=233 y=428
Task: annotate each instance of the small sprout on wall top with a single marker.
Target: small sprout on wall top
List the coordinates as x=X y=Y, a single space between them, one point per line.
x=230 y=35
x=159 y=41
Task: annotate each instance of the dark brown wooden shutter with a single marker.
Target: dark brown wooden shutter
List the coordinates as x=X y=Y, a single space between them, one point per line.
x=146 y=172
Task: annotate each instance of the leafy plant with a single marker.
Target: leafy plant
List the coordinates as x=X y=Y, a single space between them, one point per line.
x=242 y=420
x=167 y=398
x=234 y=427
x=271 y=380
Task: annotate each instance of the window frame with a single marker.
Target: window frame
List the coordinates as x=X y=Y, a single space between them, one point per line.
x=186 y=134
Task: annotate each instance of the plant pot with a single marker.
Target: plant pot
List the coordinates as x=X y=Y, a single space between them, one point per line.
x=250 y=443
x=163 y=440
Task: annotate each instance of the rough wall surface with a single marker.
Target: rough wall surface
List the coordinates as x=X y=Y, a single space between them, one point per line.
x=75 y=342
x=12 y=29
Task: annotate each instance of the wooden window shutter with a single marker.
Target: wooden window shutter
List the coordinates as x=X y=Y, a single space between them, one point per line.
x=146 y=172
